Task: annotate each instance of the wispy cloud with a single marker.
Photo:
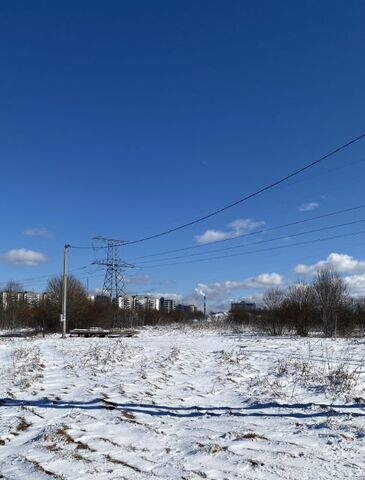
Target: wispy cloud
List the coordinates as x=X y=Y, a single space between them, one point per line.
x=37 y=232
x=307 y=207
x=238 y=227
x=340 y=262
x=137 y=279
x=22 y=256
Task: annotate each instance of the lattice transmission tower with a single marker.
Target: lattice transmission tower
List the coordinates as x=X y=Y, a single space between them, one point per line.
x=113 y=286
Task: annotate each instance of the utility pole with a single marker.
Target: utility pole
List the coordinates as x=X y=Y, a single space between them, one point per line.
x=64 y=296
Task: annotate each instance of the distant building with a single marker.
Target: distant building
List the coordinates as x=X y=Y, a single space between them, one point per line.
x=242 y=305
x=167 y=304
x=186 y=308
x=32 y=298
x=152 y=303
x=139 y=302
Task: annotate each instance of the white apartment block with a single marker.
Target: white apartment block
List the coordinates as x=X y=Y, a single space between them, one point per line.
x=138 y=302
x=28 y=297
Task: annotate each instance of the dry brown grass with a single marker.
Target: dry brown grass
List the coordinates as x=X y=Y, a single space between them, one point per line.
x=23 y=425
x=254 y=436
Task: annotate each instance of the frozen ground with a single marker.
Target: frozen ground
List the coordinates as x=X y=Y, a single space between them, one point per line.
x=173 y=404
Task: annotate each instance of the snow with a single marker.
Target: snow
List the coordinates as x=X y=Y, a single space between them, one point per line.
x=182 y=404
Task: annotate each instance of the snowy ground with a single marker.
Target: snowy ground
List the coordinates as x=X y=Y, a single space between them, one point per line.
x=173 y=404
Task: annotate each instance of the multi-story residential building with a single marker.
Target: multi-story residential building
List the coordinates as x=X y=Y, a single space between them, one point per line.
x=152 y=303
x=139 y=302
x=6 y=298
x=167 y=304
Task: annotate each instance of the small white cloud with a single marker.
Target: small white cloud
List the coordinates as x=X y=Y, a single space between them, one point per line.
x=37 y=232
x=307 y=207
x=265 y=280
x=210 y=236
x=22 y=256
x=240 y=226
x=340 y=262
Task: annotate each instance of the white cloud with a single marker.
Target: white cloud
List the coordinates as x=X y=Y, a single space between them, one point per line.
x=356 y=284
x=22 y=256
x=265 y=280
x=307 y=207
x=238 y=227
x=173 y=296
x=337 y=261
x=218 y=294
x=37 y=232
x=224 y=288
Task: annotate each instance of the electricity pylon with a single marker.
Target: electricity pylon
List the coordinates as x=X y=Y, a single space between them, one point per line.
x=113 y=286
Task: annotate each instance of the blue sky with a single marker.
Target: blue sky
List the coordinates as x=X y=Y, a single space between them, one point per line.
x=127 y=118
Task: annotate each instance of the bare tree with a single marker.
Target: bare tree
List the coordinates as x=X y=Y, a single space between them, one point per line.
x=300 y=307
x=331 y=294
x=274 y=321
x=77 y=301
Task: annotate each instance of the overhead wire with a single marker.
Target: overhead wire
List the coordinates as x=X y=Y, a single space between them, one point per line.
x=278 y=247
x=33 y=280
x=287 y=236
x=256 y=232
x=241 y=200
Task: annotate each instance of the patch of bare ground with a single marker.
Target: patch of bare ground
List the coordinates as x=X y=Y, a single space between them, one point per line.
x=127 y=416
x=254 y=436
x=255 y=463
x=23 y=425
x=62 y=432
x=211 y=449
x=31 y=410
x=199 y=474
x=40 y=468
x=122 y=462
x=107 y=440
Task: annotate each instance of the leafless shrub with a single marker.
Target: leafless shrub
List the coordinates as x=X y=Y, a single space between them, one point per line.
x=103 y=356
x=331 y=293
x=235 y=356
x=331 y=373
x=26 y=365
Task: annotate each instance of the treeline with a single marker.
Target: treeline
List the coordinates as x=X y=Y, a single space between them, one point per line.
x=324 y=305
x=44 y=314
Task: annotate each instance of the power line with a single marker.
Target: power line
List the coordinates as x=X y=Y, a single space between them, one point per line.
x=241 y=200
x=252 y=195
x=279 y=247
x=30 y=280
x=298 y=234
x=41 y=284
x=256 y=232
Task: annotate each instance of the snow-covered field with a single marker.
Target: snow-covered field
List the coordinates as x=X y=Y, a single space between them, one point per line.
x=175 y=404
